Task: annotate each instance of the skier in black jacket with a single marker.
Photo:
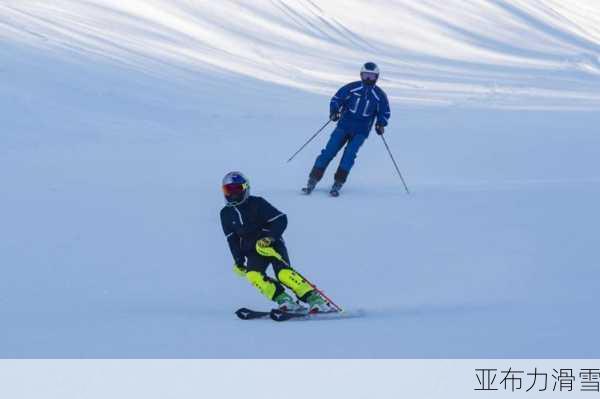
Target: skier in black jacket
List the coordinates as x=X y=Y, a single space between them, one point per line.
x=254 y=228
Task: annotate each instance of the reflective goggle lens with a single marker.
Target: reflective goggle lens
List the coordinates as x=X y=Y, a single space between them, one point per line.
x=234 y=188
x=368 y=76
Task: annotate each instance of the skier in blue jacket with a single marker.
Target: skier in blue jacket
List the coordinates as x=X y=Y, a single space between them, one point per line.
x=355 y=107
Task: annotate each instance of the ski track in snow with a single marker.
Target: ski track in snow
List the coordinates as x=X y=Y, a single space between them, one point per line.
x=120 y=118
x=483 y=53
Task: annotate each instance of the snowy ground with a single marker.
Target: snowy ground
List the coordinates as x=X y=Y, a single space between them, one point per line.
x=113 y=145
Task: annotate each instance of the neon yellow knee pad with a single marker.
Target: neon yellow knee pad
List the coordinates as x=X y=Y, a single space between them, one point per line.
x=266 y=287
x=293 y=280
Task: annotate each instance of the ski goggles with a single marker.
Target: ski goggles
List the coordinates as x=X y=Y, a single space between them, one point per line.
x=370 y=76
x=234 y=188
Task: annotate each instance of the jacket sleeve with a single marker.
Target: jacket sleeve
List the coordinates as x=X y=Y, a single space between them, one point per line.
x=383 y=110
x=338 y=101
x=275 y=222
x=233 y=240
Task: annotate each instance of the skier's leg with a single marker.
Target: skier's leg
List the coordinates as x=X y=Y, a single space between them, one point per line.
x=336 y=141
x=303 y=290
x=348 y=158
x=294 y=280
x=287 y=275
x=256 y=275
x=349 y=155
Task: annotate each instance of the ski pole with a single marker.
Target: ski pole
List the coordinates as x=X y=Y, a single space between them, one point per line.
x=339 y=309
x=395 y=164
x=314 y=287
x=271 y=251
x=309 y=140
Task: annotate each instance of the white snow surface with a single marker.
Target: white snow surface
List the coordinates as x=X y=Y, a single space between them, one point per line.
x=119 y=118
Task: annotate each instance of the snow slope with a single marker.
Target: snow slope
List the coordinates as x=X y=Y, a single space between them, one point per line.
x=522 y=53
x=120 y=118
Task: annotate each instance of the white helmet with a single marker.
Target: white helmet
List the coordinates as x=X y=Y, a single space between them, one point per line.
x=369 y=73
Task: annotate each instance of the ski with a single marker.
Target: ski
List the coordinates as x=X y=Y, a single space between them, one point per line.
x=249 y=314
x=335 y=189
x=308 y=191
x=279 y=315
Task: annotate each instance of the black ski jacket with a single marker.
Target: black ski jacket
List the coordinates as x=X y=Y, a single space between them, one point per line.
x=246 y=223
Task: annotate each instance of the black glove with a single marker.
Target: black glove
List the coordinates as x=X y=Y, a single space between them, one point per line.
x=335 y=116
x=379 y=129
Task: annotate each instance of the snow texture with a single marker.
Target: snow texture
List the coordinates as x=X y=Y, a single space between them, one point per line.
x=119 y=118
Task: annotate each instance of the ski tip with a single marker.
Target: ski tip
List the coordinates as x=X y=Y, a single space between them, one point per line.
x=243 y=313
x=249 y=314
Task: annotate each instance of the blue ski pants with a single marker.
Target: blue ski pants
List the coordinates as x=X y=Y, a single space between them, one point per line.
x=338 y=138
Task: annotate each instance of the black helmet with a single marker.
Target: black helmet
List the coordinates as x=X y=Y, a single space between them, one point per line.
x=369 y=73
x=236 y=188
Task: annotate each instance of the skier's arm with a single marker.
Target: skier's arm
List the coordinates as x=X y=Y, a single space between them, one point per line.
x=277 y=226
x=234 y=246
x=275 y=222
x=383 y=110
x=233 y=240
x=339 y=99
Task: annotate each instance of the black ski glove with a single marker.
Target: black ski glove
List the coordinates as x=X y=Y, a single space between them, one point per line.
x=335 y=116
x=379 y=129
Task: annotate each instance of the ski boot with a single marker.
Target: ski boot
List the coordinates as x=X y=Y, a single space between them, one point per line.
x=317 y=303
x=287 y=304
x=310 y=186
x=335 y=189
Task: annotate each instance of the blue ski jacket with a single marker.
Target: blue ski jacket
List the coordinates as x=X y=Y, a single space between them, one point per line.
x=360 y=106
